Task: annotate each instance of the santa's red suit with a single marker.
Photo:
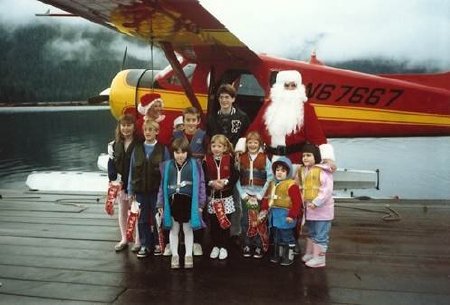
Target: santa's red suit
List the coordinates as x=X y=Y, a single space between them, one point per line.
x=310 y=132
x=165 y=130
x=285 y=127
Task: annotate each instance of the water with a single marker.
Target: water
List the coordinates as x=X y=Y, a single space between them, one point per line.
x=413 y=168
x=51 y=140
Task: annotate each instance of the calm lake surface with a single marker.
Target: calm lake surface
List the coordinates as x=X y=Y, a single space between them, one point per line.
x=71 y=138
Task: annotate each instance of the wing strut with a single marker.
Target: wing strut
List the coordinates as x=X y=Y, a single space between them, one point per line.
x=172 y=58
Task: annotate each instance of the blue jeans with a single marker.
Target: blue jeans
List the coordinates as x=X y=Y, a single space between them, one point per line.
x=283 y=237
x=147 y=218
x=318 y=231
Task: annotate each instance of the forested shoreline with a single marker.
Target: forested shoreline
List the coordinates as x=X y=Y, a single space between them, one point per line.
x=51 y=63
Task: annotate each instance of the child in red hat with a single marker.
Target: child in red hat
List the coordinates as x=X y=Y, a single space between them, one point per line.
x=151 y=108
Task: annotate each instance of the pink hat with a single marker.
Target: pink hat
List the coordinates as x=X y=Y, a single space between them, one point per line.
x=147 y=101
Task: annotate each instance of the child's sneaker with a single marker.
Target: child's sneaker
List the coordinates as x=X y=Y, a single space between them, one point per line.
x=143 y=252
x=223 y=253
x=157 y=251
x=214 y=253
x=307 y=257
x=167 y=251
x=197 y=249
x=188 y=262
x=135 y=248
x=246 y=251
x=175 y=262
x=120 y=246
x=258 y=253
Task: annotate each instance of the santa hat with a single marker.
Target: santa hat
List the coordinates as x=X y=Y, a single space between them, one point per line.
x=147 y=101
x=289 y=76
x=178 y=121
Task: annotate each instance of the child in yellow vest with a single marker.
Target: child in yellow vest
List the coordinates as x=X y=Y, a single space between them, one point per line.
x=316 y=184
x=282 y=206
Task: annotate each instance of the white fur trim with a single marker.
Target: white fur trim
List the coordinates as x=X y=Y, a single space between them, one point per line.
x=143 y=109
x=111 y=150
x=240 y=145
x=289 y=76
x=178 y=121
x=327 y=152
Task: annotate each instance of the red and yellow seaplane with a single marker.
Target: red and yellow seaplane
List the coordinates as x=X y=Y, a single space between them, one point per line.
x=203 y=54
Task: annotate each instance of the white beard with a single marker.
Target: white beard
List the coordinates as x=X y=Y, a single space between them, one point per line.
x=285 y=114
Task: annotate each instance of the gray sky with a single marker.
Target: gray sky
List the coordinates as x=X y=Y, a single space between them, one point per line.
x=414 y=30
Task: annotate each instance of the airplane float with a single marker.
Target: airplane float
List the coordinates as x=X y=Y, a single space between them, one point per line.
x=203 y=54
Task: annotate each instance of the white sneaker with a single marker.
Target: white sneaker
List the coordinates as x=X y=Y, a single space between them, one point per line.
x=316 y=262
x=197 y=249
x=318 y=259
x=307 y=257
x=214 y=253
x=188 y=262
x=223 y=253
x=167 y=251
x=175 y=262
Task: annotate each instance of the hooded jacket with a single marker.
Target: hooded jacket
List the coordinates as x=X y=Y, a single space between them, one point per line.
x=316 y=184
x=291 y=198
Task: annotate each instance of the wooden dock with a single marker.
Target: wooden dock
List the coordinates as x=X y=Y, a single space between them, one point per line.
x=58 y=249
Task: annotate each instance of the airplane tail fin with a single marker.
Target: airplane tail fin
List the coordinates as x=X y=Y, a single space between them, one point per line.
x=437 y=80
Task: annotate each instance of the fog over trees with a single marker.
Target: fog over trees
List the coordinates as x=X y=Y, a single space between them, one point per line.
x=48 y=63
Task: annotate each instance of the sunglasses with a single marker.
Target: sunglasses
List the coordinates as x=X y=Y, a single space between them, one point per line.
x=290 y=85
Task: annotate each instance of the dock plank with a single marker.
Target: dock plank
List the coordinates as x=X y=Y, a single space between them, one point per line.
x=53 y=253
x=24 y=300
x=61 y=291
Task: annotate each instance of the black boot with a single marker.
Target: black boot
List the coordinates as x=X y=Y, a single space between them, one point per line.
x=297 y=248
x=288 y=256
x=275 y=257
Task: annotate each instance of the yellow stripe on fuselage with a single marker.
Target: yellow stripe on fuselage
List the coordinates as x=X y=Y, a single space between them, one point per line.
x=379 y=116
x=178 y=101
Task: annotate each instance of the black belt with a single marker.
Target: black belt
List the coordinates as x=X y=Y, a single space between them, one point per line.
x=281 y=150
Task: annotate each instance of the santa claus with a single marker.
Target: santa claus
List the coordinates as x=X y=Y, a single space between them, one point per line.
x=287 y=121
x=151 y=108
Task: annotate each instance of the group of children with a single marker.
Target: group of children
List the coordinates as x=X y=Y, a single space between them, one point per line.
x=195 y=183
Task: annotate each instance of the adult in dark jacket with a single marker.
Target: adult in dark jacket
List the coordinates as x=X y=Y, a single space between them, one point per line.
x=232 y=123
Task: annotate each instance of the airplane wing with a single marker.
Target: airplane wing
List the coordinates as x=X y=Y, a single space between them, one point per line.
x=191 y=30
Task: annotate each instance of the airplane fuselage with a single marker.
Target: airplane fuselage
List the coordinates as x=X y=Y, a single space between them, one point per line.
x=347 y=103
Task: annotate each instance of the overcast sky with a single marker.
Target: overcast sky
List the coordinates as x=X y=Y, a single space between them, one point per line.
x=415 y=30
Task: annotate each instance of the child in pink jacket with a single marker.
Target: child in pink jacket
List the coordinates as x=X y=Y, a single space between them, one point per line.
x=316 y=184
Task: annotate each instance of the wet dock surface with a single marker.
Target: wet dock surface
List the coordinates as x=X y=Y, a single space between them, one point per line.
x=57 y=249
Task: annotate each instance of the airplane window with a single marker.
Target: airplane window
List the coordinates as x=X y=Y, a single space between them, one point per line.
x=188 y=71
x=250 y=95
x=133 y=76
x=145 y=81
x=248 y=85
